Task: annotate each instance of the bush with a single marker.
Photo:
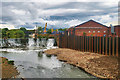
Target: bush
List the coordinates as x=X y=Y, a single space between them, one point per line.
x=48 y=55
x=11 y=62
x=40 y=54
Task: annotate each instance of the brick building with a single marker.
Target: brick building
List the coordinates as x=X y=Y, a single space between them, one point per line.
x=116 y=31
x=93 y=28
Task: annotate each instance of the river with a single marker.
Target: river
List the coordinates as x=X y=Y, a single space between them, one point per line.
x=31 y=62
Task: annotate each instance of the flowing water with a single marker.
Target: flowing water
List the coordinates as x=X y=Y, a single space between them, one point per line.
x=31 y=62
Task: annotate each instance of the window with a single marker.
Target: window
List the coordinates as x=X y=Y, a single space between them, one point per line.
x=98 y=31
x=89 y=31
x=93 y=31
x=104 y=31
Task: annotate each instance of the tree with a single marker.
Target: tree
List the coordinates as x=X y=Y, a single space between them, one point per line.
x=49 y=31
x=60 y=29
x=23 y=29
x=4 y=30
x=15 y=34
x=40 y=30
x=84 y=34
x=19 y=34
x=0 y=33
x=10 y=34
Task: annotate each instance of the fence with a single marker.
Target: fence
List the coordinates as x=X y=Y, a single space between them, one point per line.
x=101 y=45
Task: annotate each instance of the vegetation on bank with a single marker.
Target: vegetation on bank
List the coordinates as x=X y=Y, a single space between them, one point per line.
x=24 y=33
x=8 y=69
x=13 y=33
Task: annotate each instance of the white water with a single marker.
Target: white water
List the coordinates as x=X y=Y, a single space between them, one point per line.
x=50 y=43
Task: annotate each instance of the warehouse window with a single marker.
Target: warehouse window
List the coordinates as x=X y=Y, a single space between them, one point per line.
x=104 y=31
x=98 y=31
x=89 y=31
x=93 y=31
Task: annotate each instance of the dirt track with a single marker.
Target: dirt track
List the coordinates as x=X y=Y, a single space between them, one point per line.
x=96 y=64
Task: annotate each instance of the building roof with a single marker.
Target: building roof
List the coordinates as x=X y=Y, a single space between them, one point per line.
x=91 y=21
x=117 y=26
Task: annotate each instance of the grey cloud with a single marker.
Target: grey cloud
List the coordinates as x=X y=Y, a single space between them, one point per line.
x=33 y=15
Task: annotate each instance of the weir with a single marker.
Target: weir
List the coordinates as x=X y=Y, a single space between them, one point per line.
x=42 y=43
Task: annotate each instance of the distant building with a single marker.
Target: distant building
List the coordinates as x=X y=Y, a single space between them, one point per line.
x=116 y=31
x=93 y=28
x=57 y=32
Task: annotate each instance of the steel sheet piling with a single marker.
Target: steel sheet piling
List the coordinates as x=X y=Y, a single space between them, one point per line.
x=102 y=45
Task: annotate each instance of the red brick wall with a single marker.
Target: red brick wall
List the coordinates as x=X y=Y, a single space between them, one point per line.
x=95 y=28
x=116 y=30
x=91 y=31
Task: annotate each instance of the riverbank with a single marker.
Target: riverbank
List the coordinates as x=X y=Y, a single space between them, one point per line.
x=96 y=64
x=7 y=69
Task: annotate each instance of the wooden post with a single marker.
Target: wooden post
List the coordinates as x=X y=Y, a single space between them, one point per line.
x=113 y=46
x=92 y=43
x=103 y=46
x=81 y=43
x=97 y=44
x=106 y=45
x=78 y=43
x=109 y=45
x=89 y=44
x=73 y=42
x=100 y=45
x=85 y=43
x=117 y=46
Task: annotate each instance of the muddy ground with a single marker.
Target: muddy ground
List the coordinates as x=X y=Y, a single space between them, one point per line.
x=7 y=70
x=96 y=64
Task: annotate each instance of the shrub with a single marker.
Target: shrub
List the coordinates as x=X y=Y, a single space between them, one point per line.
x=11 y=62
x=48 y=55
x=40 y=54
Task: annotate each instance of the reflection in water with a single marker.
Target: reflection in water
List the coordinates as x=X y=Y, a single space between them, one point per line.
x=35 y=41
x=31 y=62
x=40 y=54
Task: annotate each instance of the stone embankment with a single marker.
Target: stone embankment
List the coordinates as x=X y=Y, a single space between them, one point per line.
x=96 y=64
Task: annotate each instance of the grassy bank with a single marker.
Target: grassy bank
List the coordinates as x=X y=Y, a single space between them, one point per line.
x=96 y=64
x=7 y=68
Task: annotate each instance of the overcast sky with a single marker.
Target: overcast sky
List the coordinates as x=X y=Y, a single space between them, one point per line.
x=62 y=14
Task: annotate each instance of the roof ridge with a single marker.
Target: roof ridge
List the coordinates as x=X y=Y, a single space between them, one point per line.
x=93 y=21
